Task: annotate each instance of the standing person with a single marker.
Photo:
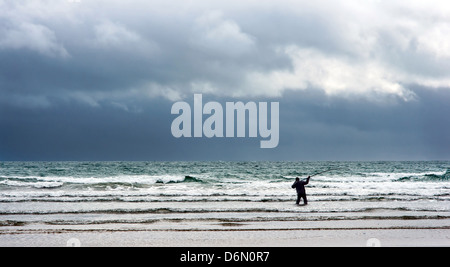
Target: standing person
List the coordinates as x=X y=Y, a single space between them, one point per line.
x=300 y=186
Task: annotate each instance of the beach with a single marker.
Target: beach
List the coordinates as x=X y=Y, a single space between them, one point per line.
x=290 y=238
x=271 y=234
x=198 y=204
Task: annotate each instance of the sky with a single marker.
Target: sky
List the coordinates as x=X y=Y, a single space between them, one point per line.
x=96 y=80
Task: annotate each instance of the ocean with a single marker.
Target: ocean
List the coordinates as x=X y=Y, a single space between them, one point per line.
x=48 y=197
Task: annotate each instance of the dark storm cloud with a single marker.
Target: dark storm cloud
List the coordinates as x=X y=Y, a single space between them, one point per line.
x=311 y=128
x=96 y=79
x=151 y=48
x=320 y=128
x=77 y=132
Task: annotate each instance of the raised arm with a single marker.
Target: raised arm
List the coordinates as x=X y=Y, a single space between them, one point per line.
x=307 y=180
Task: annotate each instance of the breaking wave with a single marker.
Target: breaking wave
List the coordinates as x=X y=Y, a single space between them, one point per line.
x=90 y=193
x=432 y=176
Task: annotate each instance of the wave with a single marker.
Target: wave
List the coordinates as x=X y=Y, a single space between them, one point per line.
x=216 y=200
x=12 y=223
x=216 y=211
x=432 y=176
x=224 y=221
x=29 y=182
x=114 y=182
x=187 y=179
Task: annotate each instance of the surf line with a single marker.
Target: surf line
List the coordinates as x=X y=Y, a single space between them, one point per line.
x=213 y=126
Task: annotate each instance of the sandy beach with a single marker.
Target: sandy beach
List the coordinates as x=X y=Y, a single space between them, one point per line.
x=317 y=229
x=385 y=237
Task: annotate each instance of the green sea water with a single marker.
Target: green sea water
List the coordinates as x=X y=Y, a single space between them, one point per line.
x=102 y=193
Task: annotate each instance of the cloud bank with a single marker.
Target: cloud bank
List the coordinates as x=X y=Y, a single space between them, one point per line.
x=128 y=57
x=368 y=49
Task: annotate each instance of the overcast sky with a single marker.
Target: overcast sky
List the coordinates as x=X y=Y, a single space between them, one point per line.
x=96 y=80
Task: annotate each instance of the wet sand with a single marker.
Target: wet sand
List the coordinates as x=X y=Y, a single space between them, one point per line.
x=219 y=234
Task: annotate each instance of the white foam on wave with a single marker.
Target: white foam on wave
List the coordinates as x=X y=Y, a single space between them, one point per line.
x=59 y=180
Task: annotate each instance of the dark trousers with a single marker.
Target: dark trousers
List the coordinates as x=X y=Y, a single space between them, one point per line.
x=299 y=196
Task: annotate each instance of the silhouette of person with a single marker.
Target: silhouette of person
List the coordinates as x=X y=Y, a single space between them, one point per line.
x=301 y=192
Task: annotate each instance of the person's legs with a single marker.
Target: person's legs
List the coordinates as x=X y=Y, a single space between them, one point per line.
x=298 y=199
x=305 y=200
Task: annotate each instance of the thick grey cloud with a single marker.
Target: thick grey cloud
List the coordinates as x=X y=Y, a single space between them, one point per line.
x=354 y=79
x=232 y=48
x=312 y=127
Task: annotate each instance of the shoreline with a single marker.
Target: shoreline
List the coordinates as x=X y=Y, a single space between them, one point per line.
x=232 y=238
x=357 y=233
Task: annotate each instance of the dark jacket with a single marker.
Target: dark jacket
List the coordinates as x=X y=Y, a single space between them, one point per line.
x=300 y=186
